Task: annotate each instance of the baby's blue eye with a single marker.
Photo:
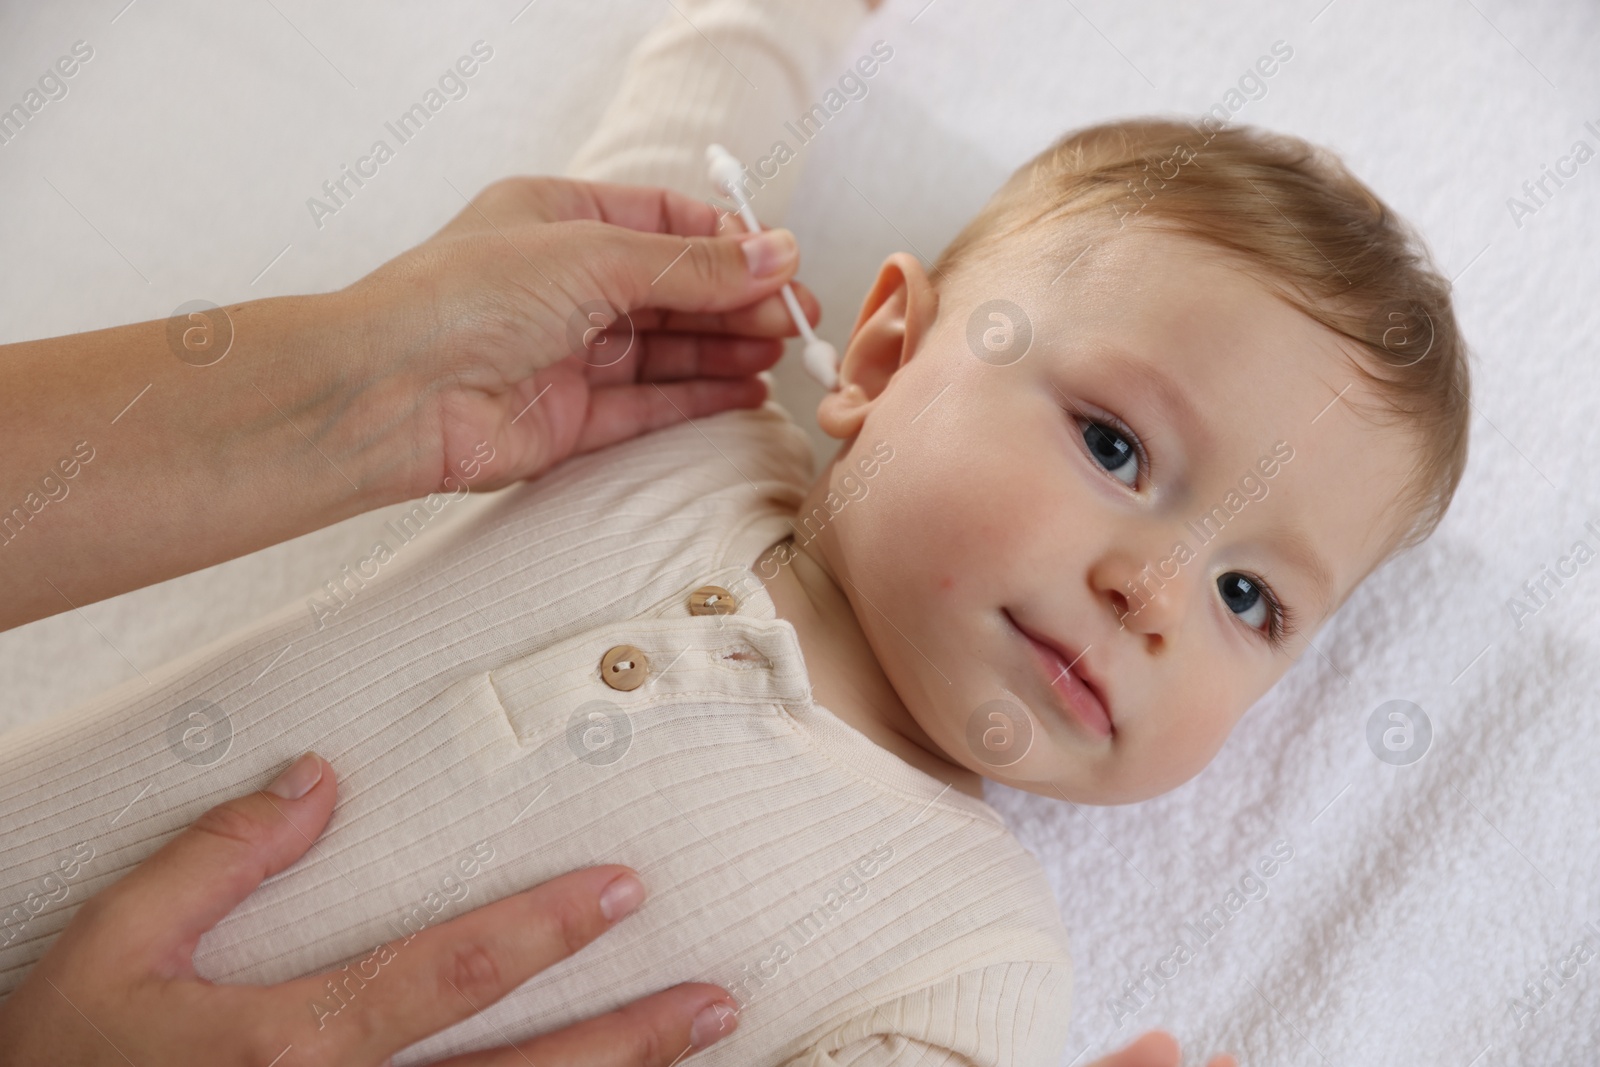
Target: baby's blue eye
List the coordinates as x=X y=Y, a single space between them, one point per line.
x=1113 y=451
x=1244 y=599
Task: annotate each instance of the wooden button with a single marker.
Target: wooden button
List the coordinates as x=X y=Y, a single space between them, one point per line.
x=624 y=667
x=712 y=600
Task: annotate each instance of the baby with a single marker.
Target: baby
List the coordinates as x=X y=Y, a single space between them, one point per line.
x=1149 y=433
x=1107 y=466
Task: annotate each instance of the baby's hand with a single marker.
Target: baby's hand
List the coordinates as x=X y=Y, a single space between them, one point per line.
x=554 y=317
x=1155 y=1049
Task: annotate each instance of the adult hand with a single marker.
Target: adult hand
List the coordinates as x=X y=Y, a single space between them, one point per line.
x=138 y=453
x=1156 y=1048
x=119 y=984
x=553 y=317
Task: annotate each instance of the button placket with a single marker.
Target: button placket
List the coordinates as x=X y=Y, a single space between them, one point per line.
x=673 y=658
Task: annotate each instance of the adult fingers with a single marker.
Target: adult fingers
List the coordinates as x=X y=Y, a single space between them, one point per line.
x=638 y=207
x=624 y=412
x=666 y=357
x=767 y=317
x=648 y=208
x=633 y=270
x=515 y=201
x=654 y=1031
x=669 y=357
x=158 y=911
x=651 y=209
x=410 y=988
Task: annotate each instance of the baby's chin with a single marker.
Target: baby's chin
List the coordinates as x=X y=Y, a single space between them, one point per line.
x=1096 y=794
x=1111 y=779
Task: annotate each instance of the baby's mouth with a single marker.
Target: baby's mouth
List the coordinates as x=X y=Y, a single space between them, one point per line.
x=1063 y=670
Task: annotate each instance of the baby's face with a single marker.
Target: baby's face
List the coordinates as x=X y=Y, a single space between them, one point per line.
x=1163 y=493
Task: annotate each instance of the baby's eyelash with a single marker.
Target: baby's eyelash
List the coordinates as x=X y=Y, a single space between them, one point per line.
x=1111 y=422
x=1281 y=622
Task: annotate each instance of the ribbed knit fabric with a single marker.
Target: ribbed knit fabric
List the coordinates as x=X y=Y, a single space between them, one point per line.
x=726 y=71
x=862 y=911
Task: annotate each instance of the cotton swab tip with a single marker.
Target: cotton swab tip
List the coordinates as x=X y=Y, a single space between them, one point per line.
x=723 y=169
x=822 y=363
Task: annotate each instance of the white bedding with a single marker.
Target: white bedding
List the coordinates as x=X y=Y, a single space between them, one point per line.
x=1419 y=901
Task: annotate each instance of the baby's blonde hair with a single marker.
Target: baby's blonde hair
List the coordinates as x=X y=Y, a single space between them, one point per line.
x=1298 y=222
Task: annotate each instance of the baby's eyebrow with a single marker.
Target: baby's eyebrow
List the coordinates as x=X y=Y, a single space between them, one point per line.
x=1179 y=408
x=1299 y=550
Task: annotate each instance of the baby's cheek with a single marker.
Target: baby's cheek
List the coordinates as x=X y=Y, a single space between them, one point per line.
x=1195 y=729
x=1211 y=711
x=929 y=528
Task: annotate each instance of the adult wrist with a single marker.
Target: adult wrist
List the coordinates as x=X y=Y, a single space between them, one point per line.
x=212 y=434
x=300 y=402
x=388 y=383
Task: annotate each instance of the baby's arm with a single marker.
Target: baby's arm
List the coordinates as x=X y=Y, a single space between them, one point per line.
x=726 y=71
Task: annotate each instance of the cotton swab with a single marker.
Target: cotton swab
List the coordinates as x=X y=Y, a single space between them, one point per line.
x=822 y=362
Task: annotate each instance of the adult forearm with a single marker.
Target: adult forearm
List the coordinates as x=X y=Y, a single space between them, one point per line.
x=128 y=462
x=136 y=454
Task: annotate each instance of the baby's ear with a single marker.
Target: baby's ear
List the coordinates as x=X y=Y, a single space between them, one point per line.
x=894 y=317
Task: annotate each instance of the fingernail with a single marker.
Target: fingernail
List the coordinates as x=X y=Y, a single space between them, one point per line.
x=714 y=1022
x=298 y=778
x=769 y=252
x=620 y=897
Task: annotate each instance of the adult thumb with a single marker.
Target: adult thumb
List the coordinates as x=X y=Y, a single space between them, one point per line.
x=652 y=270
x=185 y=888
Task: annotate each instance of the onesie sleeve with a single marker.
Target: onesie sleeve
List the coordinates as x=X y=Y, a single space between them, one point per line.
x=1005 y=1015
x=732 y=72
